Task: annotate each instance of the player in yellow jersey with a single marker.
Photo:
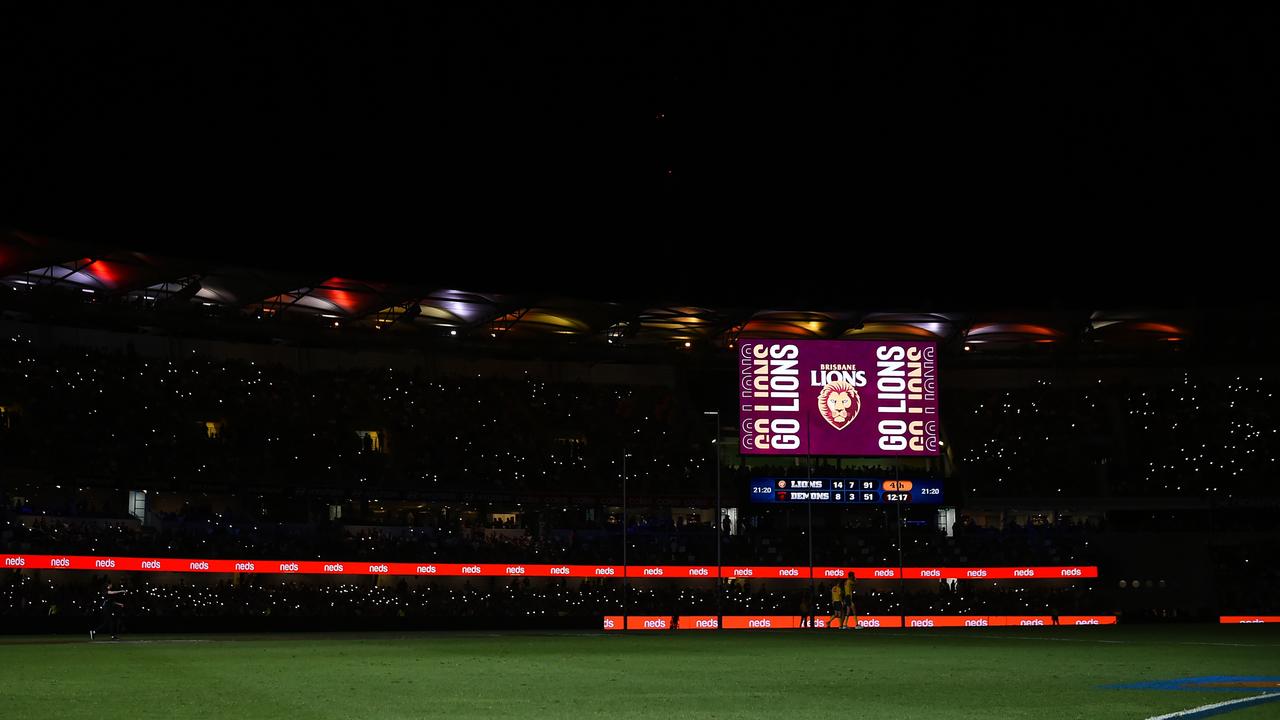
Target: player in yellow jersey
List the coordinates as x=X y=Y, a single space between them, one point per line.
x=837 y=604
x=849 y=609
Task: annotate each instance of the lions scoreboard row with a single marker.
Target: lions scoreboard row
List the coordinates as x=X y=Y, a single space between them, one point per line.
x=845 y=490
x=838 y=398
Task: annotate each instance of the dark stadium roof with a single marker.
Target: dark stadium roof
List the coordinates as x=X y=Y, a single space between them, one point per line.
x=909 y=157
x=39 y=267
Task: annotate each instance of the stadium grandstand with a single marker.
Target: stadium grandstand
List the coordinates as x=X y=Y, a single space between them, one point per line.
x=603 y=361
x=171 y=408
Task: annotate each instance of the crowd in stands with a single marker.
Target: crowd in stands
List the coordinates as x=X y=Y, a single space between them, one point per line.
x=80 y=415
x=220 y=537
x=1248 y=577
x=74 y=414
x=23 y=595
x=1198 y=435
x=269 y=541
x=1063 y=544
x=75 y=418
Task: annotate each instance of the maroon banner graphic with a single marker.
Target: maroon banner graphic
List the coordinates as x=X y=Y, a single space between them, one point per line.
x=838 y=397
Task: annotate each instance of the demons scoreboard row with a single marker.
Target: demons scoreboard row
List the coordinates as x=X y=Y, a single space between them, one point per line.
x=845 y=491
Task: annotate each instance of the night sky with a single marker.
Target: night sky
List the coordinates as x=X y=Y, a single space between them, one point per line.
x=985 y=150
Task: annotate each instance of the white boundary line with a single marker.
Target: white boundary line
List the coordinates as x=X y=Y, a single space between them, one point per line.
x=1209 y=709
x=977 y=636
x=1215 y=644
x=1062 y=639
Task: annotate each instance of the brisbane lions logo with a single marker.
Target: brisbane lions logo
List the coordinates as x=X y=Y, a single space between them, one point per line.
x=839 y=404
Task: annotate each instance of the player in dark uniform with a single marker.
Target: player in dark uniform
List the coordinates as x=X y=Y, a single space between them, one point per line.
x=806 y=609
x=849 y=609
x=111 y=609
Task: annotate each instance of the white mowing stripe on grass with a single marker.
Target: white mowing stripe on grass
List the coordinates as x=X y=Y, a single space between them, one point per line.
x=1215 y=708
x=1077 y=640
x=1231 y=644
x=1007 y=637
x=155 y=642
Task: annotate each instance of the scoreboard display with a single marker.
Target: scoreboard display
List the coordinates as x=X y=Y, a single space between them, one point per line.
x=855 y=491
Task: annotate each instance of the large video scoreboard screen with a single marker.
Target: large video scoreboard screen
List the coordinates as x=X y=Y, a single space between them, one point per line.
x=845 y=491
x=838 y=397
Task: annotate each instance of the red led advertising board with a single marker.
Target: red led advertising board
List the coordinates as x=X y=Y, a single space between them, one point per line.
x=433 y=569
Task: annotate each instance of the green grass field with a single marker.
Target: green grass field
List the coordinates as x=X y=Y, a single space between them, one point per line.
x=1039 y=673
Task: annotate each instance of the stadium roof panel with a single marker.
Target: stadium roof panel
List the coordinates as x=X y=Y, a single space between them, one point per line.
x=1005 y=331
x=795 y=324
x=244 y=288
x=114 y=272
x=657 y=325
x=31 y=262
x=22 y=252
x=453 y=308
x=555 y=316
x=1141 y=326
x=338 y=297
